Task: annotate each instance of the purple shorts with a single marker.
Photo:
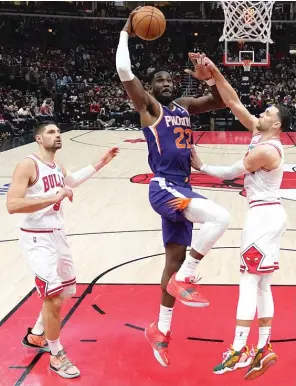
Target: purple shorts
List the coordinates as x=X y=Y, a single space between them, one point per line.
x=176 y=228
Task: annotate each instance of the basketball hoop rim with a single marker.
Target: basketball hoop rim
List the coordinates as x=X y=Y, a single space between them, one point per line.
x=254 y=64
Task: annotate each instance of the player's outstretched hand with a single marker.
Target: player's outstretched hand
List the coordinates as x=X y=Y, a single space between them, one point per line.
x=201 y=71
x=111 y=153
x=63 y=193
x=128 y=25
x=196 y=162
x=210 y=65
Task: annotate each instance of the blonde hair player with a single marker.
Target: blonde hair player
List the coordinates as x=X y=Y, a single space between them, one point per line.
x=263 y=229
x=38 y=189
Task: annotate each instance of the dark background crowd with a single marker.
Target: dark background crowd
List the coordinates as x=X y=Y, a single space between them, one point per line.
x=57 y=60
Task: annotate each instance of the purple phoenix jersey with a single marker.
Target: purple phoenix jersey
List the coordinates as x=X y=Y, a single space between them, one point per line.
x=169 y=142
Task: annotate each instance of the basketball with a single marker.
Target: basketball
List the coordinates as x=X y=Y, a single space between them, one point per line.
x=149 y=23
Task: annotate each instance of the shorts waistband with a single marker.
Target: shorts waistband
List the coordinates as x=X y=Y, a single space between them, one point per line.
x=178 y=180
x=39 y=230
x=263 y=203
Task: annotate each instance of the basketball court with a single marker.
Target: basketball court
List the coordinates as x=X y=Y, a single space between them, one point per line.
x=117 y=246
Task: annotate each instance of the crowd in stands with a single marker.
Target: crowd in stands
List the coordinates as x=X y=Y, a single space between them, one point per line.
x=65 y=68
x=172 y=9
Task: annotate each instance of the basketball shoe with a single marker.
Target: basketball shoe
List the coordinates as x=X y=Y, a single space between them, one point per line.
x=233 y=360
x=62 y=365
x=159 y=343
x=35 y=341
x=264 y=358
x=187 y=292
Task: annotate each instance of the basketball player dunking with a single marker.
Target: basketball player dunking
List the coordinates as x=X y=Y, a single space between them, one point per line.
x=37 y=191
x=264 y=226
x=167 y=129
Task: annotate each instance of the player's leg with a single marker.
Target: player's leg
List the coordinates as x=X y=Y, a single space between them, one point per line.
x=274 y=228
x=159 y=333
x=237 y=355
x=265 y=357
x=174 y=256
x=59 y=362
x=51 y=315
x=215 y=220
x=176 y=235
x=35 y=336
x=38 y=328
x=42 y=254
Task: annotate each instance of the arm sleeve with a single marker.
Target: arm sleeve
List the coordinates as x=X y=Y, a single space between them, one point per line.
x=75 y=179
x=225 y=172
x=123 y=61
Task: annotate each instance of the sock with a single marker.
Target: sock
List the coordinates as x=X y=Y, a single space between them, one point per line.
x=54 y=346
x=38 y=328
x=240 y=338
x=187 y=268
x=264 y=336
x=165 y=319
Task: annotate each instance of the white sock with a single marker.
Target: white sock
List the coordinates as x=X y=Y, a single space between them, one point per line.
x=240 y=338
x=54 y=346
x=187 y=269
x=38 y=328
x=165 y=319
x=264 y=336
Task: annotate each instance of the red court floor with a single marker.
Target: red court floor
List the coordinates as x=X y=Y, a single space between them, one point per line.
x=103 y=334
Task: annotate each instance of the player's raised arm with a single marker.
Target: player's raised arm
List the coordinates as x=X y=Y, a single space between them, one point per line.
x=23 y=176
x=231 y=99
x=134 y=88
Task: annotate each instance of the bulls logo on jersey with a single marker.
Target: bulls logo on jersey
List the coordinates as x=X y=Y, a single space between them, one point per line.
x=52 y=181
x=203 y=181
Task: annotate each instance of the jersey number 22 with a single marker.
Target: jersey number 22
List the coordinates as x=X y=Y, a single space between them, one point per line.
x=184 y=138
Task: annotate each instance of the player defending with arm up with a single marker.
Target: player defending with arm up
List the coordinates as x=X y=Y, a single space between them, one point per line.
x=166 y=126
x=264 y=226
x=37 y=191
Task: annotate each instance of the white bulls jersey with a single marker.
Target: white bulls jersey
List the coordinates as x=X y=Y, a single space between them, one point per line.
x=49 y=180
x=263 y=184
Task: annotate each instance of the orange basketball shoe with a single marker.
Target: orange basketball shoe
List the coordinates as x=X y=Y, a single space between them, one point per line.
x=187 y=292
x=159 y=343
x=35 y=341
x=265 y=357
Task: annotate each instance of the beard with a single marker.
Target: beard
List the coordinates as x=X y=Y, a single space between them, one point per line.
x=259 y=127
x=165 y=99
x=53 y=148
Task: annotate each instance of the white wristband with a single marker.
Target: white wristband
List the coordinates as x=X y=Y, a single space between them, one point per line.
x=210 y=82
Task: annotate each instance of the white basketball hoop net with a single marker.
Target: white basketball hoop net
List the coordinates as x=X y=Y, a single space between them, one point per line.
x=247 y=64
x=247 y=20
